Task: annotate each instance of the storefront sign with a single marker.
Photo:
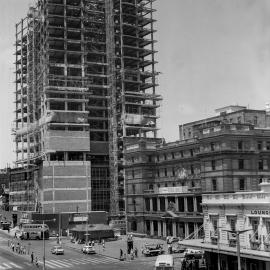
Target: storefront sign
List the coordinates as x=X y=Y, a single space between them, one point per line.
x=260 y=212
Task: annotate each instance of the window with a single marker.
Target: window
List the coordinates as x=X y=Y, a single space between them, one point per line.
x=240 y=164
x=267 y=145
x=255 y=120
x=191 y=152
x=242 y=183
x=240 y=145
x=191 y=169
x=214 y=220
x=133 y=174
x=133 y=189
x=239 y=119
x=212 y=146
x=173 y=171
x=181 y=154
x=232 y=222
x=158 y=173
x=165 y=157
x=255 y=224
x=260 y=164
x=165 y=171
x=157 y=158
x=259 y=145
x=149 y=158
x=172 y=155
x=213 y=165
x=214 y=184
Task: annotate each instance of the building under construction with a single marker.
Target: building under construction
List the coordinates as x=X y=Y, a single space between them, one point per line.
x=85 y=83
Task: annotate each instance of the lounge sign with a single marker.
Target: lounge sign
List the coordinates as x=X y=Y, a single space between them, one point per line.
x=260 y=212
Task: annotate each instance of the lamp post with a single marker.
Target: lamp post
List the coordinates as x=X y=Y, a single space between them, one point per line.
x=43 y=229
x=238 y=232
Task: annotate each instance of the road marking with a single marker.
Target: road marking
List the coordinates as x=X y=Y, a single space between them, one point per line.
x=61 y=263
x=15 y=265
x=78 y=261
x=52 y=265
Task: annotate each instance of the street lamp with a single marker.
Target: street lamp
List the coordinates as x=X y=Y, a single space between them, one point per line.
x=43 y=227
x=238 y=232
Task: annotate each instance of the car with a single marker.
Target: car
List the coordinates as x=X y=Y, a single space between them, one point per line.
x=153 y=249
x=88 y=249
x=172 y=239
x=177 y=248
x=57 y=250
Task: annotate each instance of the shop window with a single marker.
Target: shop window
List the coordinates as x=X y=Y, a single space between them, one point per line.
x=255 y=225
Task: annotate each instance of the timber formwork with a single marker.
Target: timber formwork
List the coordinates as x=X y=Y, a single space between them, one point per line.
x=85 y=82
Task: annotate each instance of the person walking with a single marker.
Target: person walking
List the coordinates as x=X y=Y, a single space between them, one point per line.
x=103 y=244
x=136 y=252
x=32 y=257
x=37 y=262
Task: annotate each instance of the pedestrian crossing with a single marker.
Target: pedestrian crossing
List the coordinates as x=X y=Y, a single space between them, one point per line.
x=68 y=263
x=9 y=265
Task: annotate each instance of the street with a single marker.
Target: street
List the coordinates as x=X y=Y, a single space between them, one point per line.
x=72 y=259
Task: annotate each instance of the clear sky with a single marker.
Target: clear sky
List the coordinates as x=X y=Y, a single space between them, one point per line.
x=211 y=53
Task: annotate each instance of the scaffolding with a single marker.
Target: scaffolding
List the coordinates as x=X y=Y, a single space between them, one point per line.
x=86 y=66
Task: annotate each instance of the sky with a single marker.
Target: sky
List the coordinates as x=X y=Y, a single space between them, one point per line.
x=211 y=53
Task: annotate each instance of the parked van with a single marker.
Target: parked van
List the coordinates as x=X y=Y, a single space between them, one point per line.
x=164 y=262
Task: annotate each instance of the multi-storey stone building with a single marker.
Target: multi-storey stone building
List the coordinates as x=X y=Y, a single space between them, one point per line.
x=164 y=182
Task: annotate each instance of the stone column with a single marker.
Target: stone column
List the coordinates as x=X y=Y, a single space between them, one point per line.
x=195 y=204
x=151 y=227
x=159 y=228
x=166 y=203
x=186 y=230
x=196 y=230
x=185 y=204
x=164 y=229
x=151 y=204
x=174 y=228
x=176 y=204
x=158 y=204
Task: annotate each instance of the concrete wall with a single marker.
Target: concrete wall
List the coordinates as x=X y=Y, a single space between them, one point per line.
x=66 y=186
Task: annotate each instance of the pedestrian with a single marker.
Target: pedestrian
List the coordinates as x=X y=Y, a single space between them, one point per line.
x=136 y=252
x=121 y=253
x=37 y=262
x=32 y=257
x=103 y=244
x=131 y=254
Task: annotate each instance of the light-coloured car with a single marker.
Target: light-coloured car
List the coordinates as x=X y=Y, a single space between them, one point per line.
x=88 y=249
x=57 y=250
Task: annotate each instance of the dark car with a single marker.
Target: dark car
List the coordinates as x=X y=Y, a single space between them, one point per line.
x=153 y=249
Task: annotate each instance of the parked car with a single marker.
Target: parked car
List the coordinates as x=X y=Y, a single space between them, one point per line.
x=172 y=239
x=177 y=248
x=57 y=250
x=88 y=249
x=153 y=249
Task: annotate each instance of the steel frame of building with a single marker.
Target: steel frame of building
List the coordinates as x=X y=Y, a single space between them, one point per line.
x=92 y=61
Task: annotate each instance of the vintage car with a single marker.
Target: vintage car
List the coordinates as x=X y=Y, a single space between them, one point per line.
x=57 y=250
x=88 y=249
x=178 y=248
x=153 y=249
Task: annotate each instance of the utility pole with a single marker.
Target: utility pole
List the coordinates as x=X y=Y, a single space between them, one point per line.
x=238 y=232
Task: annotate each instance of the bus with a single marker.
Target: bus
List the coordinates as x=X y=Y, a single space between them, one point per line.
x=34 y=231
x=164 y=262
x=118 y=225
